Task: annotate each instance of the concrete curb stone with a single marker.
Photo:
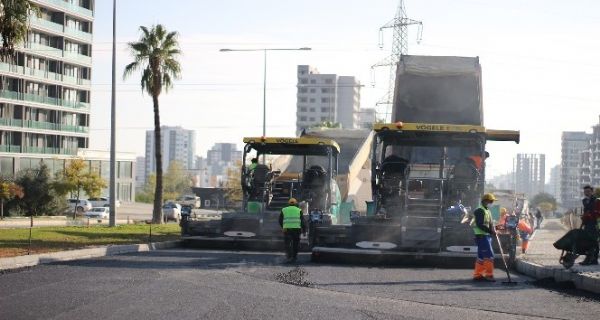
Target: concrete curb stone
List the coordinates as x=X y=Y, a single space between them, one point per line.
x=537 y=271
x=44 y=258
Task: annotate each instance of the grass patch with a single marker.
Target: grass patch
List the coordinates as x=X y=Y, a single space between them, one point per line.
x=15 y=242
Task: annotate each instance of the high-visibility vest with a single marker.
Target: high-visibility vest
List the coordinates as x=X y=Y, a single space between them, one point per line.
x=487 y=219
x=291 y=217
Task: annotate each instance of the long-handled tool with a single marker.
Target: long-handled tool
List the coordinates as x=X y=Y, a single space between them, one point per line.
x=509 y=282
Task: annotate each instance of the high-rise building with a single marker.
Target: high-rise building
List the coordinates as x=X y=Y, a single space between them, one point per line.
x=45 y=88
x=530 y=173
x=140 y=172
x=366 y=118
x=553 y=186
x=221 y=157
x=326 y=97
x=177 y=144
x=589 y=162
x=572 y=145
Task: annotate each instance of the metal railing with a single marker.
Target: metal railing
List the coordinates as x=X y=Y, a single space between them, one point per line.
x=43 y=99
x=86 y=36
x=10 y=148
x=72 y=7
x=46 y=24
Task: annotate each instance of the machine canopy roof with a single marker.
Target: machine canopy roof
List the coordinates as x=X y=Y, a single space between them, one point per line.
x=293 y=145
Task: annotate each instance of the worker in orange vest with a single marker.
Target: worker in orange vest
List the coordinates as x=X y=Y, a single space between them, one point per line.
x=525 y=232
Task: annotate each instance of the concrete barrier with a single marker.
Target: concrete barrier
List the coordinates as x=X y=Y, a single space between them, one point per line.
x=537 y=271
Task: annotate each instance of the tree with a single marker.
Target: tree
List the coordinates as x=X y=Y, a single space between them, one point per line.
x=326 y=124
x=176 y=182
x=14 y=24
x=544 y=198
x=8 y=191
x=77 y=177
x=233 y=186
x=41 y=197
x=156 y=53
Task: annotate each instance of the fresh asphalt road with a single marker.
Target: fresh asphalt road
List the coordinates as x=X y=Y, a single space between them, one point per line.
x=199 y=284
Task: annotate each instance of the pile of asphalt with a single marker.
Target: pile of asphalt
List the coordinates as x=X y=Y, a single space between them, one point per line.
x=296 y=277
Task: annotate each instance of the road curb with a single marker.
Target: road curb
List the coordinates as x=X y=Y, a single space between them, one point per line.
x=538 y=271
x=44 y=258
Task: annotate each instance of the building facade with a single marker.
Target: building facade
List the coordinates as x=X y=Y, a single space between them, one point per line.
x=589 y=162
x=326 y=97
x=177 y=144
x=140 y=172
x=572 y=145
x=366 y=118
x=530 y=173
x=553 y=186
x=45 y=88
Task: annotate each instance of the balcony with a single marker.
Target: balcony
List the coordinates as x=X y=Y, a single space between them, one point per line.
x=44 y=49
x=42 y=99
x=42 y=74
x=42 y=125
x=78 y=57
x=10 y=148
x=46 y=24
x=72 y=7
x=49 y=150
x=85 y=36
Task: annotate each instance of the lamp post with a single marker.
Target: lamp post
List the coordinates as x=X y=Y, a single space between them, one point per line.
x=112 y=221
x=264 y=132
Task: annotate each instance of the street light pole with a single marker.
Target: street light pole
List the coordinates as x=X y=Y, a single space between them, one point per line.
x=264 y=131
x=112 y=221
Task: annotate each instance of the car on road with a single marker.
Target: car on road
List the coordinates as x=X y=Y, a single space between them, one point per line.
x=190 y=200
x=98 y=212
x=103 y=202
x=171 y=211
x=80 y=206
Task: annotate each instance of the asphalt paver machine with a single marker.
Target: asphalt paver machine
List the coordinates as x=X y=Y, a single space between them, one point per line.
x=302 y=167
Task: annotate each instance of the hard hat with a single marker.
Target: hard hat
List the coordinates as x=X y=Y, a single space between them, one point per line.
x=488 y=197
x=503 y=210
x=293 y=201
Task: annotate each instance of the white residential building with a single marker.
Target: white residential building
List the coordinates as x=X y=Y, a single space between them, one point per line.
x=573 y=144
x=177 y=144
x=326 y=97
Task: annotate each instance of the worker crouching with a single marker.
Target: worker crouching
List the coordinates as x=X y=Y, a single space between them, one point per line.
x=292 y=223
x=483 y=227
x=525 y=232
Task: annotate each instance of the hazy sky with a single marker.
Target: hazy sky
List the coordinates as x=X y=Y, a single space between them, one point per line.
x=539 y=60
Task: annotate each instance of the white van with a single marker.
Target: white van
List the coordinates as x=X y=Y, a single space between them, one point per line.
x=190 y=200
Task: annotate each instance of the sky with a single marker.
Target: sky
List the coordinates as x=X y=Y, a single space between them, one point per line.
x=539 y=63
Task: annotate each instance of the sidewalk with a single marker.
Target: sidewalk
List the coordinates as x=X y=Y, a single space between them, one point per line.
x=541 y=260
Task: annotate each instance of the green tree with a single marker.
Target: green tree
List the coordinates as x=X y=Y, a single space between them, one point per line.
x=9 y=190
x=41 y=198
x=326 y=124
x=546 y=198
x=155 y=54
x=77 y=177
x=233 y=186
x=14 y=24
x=176 y=182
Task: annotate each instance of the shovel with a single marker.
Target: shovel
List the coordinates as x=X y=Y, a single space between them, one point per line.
x=509 y=282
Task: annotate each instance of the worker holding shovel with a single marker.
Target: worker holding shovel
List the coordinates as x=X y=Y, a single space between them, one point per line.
x=483 y=227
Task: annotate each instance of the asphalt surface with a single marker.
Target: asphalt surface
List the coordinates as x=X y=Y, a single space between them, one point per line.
x=195 y=284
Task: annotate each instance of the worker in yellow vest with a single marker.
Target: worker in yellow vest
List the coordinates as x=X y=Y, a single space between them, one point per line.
x=292 y=223
x=483 y=227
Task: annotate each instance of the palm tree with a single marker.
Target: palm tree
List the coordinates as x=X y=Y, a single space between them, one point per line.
x=14 y=24
x=155 y=54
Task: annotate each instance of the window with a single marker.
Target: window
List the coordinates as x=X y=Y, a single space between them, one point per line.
x=312 y=100
x=313 y=90
x=302 y=118
x=329 y=81
x=312 y=119
x=6 y=166
x=302 y=99
x=323 y=118
x=325 y=90
x=325 y=109
x=313 y=81
x=303 y=81
x=302 y=109
x=311 y=109
x=302 y=90
x=325 y=100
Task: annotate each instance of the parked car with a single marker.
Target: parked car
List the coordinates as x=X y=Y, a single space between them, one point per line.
x=103 y=202
x=81 y=206
x=98 y=212
x=172 y=211
x=190 y=200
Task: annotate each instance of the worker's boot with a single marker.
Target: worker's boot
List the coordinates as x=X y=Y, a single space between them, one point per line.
x=489 y=270
x=478 y=272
